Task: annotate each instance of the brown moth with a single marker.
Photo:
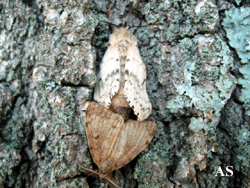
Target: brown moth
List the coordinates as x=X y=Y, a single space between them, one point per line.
x=123 y=69
x=114 y=142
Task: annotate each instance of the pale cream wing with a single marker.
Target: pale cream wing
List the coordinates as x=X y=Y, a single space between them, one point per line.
x=109 y=77
x=133 y=138
x=135 y=84
x=102 y=128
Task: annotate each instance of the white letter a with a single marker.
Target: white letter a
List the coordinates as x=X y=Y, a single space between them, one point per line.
x=219 y=171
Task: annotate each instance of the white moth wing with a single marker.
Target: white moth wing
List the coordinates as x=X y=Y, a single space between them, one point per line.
x=135 y=84
x=109 y=77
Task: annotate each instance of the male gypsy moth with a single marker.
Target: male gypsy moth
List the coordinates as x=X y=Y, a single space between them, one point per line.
x=122 y=72
x=114 y=142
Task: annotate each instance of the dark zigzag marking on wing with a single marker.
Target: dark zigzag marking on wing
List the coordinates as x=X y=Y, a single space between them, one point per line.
x=137 y=93
x=104 y=85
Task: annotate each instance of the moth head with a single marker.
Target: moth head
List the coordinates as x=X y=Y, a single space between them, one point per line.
x=109 y=182
x=122 y=36
x=105 y=168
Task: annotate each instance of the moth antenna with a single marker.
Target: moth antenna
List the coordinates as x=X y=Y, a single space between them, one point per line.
x=111 y=183
x=92 y=172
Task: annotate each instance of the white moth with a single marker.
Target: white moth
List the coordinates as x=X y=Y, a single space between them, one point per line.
x=123 y=71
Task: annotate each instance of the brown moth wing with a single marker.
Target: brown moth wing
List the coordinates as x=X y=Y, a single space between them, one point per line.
x=133 y=138
x=102 y=129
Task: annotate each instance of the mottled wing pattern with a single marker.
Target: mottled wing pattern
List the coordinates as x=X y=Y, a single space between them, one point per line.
x=109 y=76
x=133 y=138
x=102 y=128
x=135 y=84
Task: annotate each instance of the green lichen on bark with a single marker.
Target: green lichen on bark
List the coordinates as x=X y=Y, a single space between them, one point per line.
x=237 y=25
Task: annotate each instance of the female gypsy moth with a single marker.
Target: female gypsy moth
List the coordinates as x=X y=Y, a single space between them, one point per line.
x=122 y=72
x=113 y=142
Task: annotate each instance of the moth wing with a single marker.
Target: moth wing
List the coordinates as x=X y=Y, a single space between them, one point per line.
x=109 y=77
x=102 y=127
x=135 y=84
x=133 y=138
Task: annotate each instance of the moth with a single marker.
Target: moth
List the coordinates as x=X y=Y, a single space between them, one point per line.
x=122 y=69
x=114 y=142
